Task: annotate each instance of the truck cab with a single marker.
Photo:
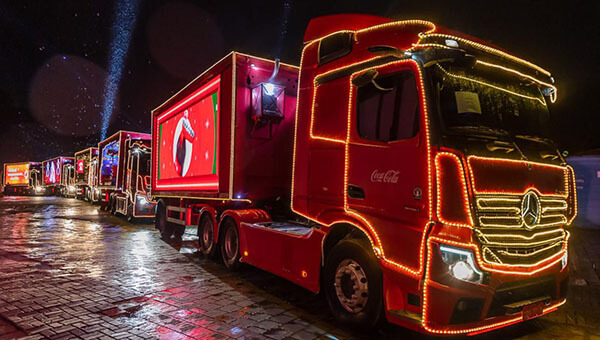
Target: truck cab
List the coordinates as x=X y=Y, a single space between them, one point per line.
x=124 y=174
x=134 y=201
x=86 y=162
x=443 y=161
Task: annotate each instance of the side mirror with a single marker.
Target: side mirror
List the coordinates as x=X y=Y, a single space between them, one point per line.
x=364 y=78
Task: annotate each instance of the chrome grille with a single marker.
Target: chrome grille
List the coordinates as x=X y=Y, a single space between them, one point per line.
x=505 y=238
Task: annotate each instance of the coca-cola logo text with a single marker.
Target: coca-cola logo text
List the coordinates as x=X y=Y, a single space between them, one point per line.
x=390 y=176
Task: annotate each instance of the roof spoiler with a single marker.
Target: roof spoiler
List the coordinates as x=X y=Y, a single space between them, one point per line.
x=322 y=26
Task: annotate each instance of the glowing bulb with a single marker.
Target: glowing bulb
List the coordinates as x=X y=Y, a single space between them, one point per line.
x=462 y=270
x=269 y=88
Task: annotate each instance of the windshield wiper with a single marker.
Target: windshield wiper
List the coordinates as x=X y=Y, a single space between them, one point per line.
x=536 y=139
x=484 y=129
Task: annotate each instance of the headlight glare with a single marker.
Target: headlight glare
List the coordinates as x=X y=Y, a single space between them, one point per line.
x=461 y=264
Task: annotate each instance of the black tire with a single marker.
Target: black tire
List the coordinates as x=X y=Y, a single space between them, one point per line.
x=178 y=231
x=351 y=263
x=130 y=217
x=113 y=205
x=160 y=222
x=230 y=244
x=206 y=236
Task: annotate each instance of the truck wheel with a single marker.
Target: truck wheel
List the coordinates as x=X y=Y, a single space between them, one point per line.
x=230 y=245
x=206 y=235
x=353 y=284
x=113 y=205
x=165 y=228
x=130 y=217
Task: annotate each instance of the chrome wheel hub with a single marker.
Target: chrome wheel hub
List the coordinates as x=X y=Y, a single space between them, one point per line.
x=351 y=286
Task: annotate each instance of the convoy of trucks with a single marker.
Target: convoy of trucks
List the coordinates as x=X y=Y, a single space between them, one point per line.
x=402 y=169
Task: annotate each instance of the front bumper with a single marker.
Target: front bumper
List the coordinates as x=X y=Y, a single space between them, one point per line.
x=452 y=306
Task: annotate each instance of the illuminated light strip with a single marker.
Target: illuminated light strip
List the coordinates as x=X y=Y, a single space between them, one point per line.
x=554 y=93
x=196 y=185
x=402 y=23
x=224 y=199
x=232 y=128
x=541 y=101
x=529 y=254
x=188 y=99
x=473 y=330
x=574 y=184
x=380 y=26
x=465 y=194
x=312 y=117
x=487 y=49
x=500 y=160
x=428 y=45
x=521 y=236
x=520 y=226
x=487 y=250
x=544 y=209
x=554 y=242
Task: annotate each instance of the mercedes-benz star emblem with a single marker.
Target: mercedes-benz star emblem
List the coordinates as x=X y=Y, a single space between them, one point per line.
x=530 y=209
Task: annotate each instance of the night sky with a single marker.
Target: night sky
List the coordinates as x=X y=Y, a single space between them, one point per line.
x=54 y=57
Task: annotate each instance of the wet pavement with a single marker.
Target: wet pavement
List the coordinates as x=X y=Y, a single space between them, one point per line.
x=70 y=271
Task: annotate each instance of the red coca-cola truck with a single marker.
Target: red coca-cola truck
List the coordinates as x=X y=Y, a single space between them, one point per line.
x=402 y=168
x=86 y=172
x=22 y=179
x=124 y=175
x=58 y=176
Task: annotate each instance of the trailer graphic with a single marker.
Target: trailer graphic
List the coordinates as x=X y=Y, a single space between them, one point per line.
x=22 y=178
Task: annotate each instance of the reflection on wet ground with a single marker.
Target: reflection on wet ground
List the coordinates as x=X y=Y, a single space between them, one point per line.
x=69 y=270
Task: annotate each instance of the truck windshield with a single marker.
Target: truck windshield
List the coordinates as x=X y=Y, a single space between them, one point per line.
x=483 y=101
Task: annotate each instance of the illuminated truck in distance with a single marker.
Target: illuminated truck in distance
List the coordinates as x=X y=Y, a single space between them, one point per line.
x=58 y=176
x=23 y=178
x=86 y=165
x=402 y=169
x=124 y=174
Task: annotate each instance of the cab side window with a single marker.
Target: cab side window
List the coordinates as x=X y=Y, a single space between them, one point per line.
x=388 y=107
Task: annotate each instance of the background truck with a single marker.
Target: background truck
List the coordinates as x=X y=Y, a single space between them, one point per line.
x=124 y=174
x=22 y=178
x=402 y=169
x=58 y=176
x=86 y=165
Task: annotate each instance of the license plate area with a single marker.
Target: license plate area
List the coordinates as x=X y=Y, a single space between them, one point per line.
x=533 y=310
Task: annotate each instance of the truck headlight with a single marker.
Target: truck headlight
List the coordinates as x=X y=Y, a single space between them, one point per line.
x=461 y=264
x=38 y=189
x=71 y=188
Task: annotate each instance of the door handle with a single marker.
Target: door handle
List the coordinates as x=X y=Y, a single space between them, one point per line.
x=355 y=192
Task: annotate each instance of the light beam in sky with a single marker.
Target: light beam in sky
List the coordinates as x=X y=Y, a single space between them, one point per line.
x=125 y=18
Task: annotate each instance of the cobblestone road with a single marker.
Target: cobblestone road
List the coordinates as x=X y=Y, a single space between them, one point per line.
x=68 y=271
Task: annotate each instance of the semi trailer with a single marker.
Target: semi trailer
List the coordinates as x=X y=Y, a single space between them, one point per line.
x=22 y=179
x=402 y=169
x=124 y=174
x=86 y=172
x=59 y=176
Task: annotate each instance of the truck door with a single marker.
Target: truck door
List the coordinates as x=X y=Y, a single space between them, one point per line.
x=387 y=160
